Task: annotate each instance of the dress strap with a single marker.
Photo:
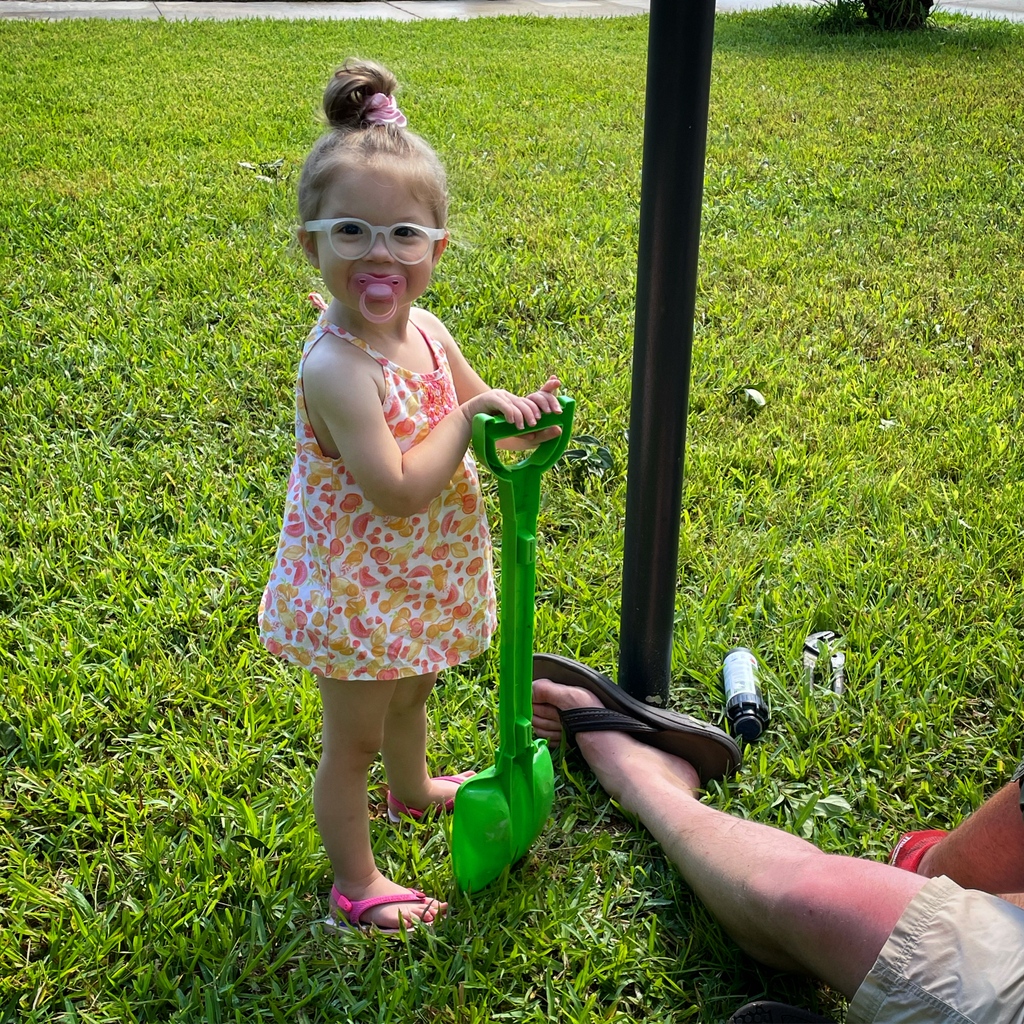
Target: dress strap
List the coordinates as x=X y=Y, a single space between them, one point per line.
x=437 y=351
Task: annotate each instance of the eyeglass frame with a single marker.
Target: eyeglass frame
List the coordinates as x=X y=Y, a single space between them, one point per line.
x=434 y=235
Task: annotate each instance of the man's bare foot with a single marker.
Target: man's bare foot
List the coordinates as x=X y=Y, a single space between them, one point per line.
x=388 y=916
x=629 y=771
x=548 y=699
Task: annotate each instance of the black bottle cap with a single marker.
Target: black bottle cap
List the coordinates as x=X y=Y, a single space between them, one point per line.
x=747 y=726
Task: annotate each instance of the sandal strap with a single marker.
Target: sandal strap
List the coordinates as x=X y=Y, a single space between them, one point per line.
x=398 y=807
x=576 y=720
x=354 y=909
x=460 y=778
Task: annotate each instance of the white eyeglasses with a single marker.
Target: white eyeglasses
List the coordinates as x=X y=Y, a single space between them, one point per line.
x=352 y=239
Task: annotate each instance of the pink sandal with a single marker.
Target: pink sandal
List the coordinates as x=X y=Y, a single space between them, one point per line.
x=345 y=913
x=396 y=809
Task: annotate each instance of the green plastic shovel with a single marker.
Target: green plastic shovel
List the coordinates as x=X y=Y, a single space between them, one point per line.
x=500 y=811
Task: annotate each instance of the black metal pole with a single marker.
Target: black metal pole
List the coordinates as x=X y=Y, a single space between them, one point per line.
x=675 y=141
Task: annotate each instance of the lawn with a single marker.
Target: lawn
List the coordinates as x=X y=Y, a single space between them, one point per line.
x=862 y=267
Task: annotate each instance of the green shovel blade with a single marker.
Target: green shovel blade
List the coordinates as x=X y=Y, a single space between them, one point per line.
x=481 y=830
x=500 y=811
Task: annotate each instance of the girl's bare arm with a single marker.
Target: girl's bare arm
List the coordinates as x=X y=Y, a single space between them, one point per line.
x=469 y=385
x=343 y=388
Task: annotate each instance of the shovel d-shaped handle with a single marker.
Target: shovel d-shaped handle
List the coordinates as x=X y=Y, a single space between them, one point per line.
x=519 y=500
x=488 y=430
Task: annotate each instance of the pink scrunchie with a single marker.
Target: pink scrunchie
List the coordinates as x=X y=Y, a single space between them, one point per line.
x=381 y=108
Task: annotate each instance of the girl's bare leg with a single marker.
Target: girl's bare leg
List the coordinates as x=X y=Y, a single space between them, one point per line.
x=404 y=747
x=354 y=715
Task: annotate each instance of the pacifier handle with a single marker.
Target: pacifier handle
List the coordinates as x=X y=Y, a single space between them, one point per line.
x=379 y=289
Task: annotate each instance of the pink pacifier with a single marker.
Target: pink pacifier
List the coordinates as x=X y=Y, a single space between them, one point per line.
x=379 y=288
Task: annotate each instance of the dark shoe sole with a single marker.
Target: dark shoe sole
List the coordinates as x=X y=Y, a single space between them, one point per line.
x=709 y=749
x=767 y=1012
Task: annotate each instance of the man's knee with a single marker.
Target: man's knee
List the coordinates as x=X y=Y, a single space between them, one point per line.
x=787 y=905
x=821 y=898
x=810 y=893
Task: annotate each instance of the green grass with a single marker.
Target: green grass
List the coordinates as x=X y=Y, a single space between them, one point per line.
x=861 y=266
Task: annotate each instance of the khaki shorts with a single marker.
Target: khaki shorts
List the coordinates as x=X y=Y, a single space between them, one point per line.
x=956 y=956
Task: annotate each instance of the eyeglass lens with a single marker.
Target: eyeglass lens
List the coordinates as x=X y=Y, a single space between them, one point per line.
x=353 y=239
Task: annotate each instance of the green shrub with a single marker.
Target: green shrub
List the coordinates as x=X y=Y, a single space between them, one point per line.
x=847 y=15
x=897 y=14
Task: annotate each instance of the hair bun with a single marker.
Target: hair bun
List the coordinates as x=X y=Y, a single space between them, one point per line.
x=350 y=87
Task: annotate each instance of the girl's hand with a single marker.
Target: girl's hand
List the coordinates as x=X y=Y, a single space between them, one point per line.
x=544 y=400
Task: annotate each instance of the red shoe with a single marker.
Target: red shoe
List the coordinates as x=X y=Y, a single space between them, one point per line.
x=912 y=847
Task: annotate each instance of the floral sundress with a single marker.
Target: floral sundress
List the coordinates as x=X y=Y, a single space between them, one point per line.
x=357 y=594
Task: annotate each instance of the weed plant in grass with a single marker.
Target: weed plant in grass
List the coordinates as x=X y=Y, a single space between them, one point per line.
x=861 y=268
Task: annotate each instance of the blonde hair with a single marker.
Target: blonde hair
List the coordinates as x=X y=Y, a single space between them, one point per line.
x=352 y=141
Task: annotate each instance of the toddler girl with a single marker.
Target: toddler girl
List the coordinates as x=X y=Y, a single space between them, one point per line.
x=383 y=572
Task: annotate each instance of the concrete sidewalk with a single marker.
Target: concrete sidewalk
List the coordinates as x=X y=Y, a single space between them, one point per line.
x=408 y=10
x=394 y=10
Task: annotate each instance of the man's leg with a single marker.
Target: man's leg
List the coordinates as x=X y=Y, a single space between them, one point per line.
x=986 y=851
x=784 y=901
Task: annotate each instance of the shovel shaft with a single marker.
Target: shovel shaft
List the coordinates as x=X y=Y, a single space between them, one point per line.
x=518 y=577
x=519 y=500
